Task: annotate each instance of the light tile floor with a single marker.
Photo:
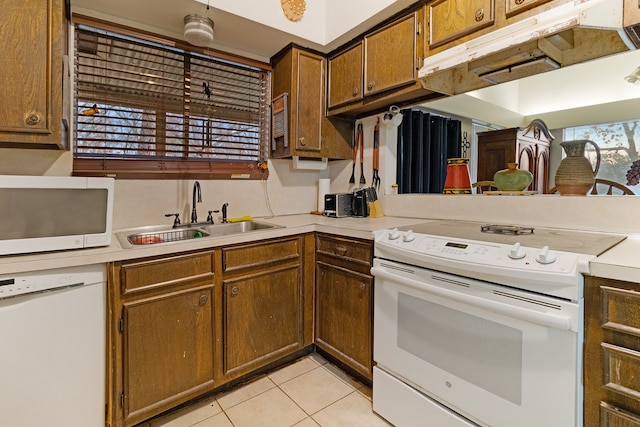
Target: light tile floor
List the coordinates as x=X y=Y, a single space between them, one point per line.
x=310 y=392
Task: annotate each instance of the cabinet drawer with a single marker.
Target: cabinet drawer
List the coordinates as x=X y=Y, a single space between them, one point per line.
x=261 y=254
x=616 y=417
x=620 y=366
x=353 y=250
x=620 y=310
x=138 y=276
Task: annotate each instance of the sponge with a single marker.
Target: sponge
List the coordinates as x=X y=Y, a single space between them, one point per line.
x=241 y=218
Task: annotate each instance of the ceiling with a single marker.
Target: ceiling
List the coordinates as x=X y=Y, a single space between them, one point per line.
x=593 y=92
x=322 y=27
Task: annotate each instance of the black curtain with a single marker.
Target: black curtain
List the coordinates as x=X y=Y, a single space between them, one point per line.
x=425 y=142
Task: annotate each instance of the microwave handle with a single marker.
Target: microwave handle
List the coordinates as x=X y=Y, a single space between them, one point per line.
x=544 y=319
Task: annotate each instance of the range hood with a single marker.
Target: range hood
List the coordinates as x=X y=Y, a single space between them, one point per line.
x=569 y=34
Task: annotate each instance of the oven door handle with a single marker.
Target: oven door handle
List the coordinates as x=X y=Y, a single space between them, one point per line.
x=545 y=319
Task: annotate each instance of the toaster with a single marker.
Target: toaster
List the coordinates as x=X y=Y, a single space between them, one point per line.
x=338 y=205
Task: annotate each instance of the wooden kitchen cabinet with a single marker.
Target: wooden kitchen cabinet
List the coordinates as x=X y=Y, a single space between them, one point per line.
x=515 y=7
x=267 y=303
x=452 y=19
x=391 y=55
x=529 y=147
x=344 y=302
x=345 y=76
x=381 y=69
x=32 y=35
x=161 y=335
x=612 y=353
x=309 y=133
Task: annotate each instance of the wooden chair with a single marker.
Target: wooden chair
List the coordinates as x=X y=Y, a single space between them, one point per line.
x=482 y=186
x=609 y=186
x=605 y=184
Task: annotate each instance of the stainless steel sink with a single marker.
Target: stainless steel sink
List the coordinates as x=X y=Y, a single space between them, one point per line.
x=161 y=234
x=238 y=228
x=154 y=235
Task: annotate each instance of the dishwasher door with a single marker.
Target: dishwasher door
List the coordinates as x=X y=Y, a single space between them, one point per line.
x=52 y=362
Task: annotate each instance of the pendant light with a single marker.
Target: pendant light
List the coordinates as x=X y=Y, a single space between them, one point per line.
x=198 y=29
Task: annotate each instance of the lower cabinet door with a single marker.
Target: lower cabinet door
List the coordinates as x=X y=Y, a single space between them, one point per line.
x=262 y=318
x=343 y=316
x=168 y=351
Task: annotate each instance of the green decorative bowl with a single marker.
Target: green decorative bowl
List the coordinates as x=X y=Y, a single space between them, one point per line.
x=512 y=178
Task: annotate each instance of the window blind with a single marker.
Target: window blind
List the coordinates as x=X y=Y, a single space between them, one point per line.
x=145 y=110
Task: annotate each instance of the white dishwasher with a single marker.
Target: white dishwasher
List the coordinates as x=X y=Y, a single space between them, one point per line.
x=52 y=340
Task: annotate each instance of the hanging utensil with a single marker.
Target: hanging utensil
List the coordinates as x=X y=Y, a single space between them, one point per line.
x=376 y=156
x=362 y=180
x=356 y=143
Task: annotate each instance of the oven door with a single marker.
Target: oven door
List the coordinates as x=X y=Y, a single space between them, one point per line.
x=498 y=356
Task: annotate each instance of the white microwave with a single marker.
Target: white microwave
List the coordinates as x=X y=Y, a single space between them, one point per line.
x=49 y=213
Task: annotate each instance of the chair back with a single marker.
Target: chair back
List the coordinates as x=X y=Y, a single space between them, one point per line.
x=482 y=186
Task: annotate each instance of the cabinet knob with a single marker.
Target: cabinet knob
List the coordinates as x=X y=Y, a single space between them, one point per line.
x=302 y=140
x=479 y=15
x=355 y=92
x=362 y=286
x=519 y=2
x=32 y=119
x=234 y=291
x=203 y=300
x=371 y=85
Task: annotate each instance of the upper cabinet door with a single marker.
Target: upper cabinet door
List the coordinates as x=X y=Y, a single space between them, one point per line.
x=452 y=19
x=516 y=6
x=345 y=76
x=31 y=48
x=309 y=109
x=390 y=56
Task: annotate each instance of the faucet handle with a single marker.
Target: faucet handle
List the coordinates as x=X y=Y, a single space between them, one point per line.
x=210 y=217
x=176 y=220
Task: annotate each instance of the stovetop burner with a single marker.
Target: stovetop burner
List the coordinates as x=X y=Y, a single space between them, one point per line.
x=508 y=229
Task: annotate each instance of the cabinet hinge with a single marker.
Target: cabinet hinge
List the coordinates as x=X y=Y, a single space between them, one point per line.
x=418 y=28
x=121 y=325
x=122 y=399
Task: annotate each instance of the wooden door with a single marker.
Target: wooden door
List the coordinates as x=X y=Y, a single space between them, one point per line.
x=31 y=47
x=390 y=56
x=345 y=76
x=343 y=316
x=453 y=19
x=262 y=318
x=167 y=350
x=309 y=109
x=517 y=6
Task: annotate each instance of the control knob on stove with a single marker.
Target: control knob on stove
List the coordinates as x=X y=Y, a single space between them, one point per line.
x=409 y=236
x=546 y=256
x=394 y=234
x=516 y=251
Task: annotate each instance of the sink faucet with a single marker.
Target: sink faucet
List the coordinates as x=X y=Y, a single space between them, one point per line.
x=224 y=213
x=198 y=192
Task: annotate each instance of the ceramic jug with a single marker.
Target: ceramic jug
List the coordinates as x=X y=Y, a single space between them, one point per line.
x=575 y=175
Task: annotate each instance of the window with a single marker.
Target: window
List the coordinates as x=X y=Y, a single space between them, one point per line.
x=148 y=110
x=618 y=148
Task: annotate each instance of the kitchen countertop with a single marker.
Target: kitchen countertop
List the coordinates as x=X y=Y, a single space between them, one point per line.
x=620 y=262
x=292 y=224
